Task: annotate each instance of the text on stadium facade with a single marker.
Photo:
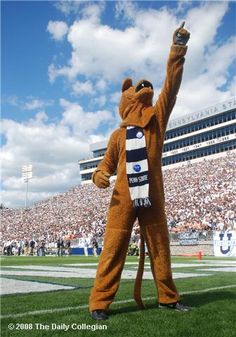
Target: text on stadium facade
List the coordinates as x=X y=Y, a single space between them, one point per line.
x=195 y=116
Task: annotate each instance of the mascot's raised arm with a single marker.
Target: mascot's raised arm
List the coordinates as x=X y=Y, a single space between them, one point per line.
x=134 y=151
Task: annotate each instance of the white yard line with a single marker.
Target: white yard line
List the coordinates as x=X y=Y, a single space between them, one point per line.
x=72 y=267
x=84 y=306
x=13 y=286
x=222 y=269
x=91 y=273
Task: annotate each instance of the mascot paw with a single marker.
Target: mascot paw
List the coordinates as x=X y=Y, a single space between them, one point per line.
x=181 y=35
x=101 y=179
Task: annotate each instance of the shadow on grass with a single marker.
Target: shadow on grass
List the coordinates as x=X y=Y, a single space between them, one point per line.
x=194 y=301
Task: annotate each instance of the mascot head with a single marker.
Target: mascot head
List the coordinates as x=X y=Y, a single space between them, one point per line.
x=135 y=97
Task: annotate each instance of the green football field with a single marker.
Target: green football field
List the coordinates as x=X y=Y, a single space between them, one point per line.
x=28 y=308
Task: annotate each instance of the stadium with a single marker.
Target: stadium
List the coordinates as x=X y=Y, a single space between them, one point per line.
x=69 y=70
x=199 y=149
x=199 y=135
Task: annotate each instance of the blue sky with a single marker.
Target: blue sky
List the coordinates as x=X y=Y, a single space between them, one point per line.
x=62 y=67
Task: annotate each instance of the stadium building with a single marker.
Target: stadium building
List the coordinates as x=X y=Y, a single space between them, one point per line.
x=207 y=133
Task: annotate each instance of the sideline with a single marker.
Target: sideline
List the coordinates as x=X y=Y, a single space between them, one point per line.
x=84 y=306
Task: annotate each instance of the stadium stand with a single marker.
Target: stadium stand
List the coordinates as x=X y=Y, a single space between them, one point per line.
x=200 y=197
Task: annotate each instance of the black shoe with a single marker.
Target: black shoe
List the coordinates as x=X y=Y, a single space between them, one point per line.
x=178 y=306
x=99 y=315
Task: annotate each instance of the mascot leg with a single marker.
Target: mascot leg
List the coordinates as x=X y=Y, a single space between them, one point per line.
x=157 y=238
x=112 y=259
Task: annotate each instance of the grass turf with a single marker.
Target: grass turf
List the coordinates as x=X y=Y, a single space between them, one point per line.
x=212 y=315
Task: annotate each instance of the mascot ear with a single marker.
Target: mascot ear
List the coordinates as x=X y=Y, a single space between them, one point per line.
x=127 y=84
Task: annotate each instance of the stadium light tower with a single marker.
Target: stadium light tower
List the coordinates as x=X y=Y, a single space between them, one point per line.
x=27 y=175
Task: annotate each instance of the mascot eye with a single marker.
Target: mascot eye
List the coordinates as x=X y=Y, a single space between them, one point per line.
x=143 y=84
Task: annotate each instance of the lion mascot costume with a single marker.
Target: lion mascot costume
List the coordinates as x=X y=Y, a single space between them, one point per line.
x=134 y=151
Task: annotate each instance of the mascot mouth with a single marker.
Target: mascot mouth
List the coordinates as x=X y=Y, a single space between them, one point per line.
x=143 y=84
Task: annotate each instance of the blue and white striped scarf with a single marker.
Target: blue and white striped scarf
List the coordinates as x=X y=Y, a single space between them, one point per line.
x=137 y=166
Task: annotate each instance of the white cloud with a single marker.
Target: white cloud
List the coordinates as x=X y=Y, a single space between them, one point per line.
x=57 y=29
x=103 y=55
x=100 y=101
x=83 y=123
x=29 y=103
x=93 y=11
x=34 y=104
x=204 y=90
x=107 y=52
x=101 y=85
x=69 y=7
x=40 y=117
x=52 y=148
x=232 y=87
x=115 y=97
x=198 y=94
x=202 y=35
x=218 y=60
x=140 y=50
x=53 y=73
x=11 y=99
x=183 y=5
x=81 y=88
x=80 y=8
x=126 y=10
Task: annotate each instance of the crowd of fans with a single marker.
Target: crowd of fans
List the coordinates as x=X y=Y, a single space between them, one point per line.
x=200 y=197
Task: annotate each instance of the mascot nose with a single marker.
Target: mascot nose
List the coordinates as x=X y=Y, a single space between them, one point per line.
x=143 y=84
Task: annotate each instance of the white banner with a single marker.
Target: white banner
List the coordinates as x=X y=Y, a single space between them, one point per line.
x=225 y=243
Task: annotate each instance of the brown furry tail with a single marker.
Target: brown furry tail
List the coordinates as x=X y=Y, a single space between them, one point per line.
x=139 y=276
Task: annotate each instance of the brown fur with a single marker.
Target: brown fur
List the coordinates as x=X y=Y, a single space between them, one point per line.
x=137 y=109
